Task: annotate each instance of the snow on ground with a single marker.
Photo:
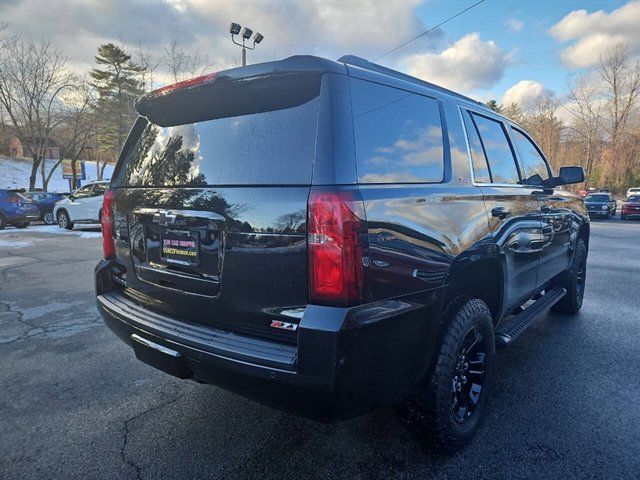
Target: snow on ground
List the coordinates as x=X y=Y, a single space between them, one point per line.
x=14 y=173
x=12 y=235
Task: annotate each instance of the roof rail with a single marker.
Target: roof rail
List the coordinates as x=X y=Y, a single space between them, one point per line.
x=367 y=65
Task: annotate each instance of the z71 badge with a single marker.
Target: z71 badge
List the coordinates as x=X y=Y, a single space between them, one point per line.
x=284 y=325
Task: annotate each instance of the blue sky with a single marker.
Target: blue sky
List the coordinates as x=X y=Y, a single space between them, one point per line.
x=507 y=50
x=536 y=54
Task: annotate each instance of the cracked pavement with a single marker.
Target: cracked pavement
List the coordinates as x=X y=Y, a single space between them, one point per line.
x=75 y=403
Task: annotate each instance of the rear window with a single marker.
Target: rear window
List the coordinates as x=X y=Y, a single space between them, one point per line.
x=398 y=135
x=273 y=146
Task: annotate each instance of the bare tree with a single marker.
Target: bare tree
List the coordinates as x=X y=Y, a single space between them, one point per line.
x=148 y=64
x=32 y=78
x=544 y=125
x=78 y=126
x=621 y=79
x=181 y=63
x=586 y=110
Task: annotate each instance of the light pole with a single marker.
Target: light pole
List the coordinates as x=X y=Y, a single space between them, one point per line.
x=234 y=29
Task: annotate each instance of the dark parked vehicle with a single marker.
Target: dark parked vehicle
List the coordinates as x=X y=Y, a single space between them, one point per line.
x=45 y=202
x=631 y=208
x=331 y=237
x=16 y=209
x=600 y=204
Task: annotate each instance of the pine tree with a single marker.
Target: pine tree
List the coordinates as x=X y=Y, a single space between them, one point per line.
x=116 y=80
x=493 y=105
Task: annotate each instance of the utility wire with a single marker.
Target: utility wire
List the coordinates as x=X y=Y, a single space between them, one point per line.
x=428 y=31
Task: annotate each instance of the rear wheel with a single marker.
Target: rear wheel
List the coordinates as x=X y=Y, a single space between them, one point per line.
x=448 y=408
x=48 y=218
x=22 y=224
x=3 y=222
x=573 y=281
x=64 y=221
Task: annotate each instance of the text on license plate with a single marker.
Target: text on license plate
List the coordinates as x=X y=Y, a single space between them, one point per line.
x=179 y=247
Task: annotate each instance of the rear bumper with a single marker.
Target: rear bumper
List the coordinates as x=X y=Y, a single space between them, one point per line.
x=346 y=361
x=19 y=217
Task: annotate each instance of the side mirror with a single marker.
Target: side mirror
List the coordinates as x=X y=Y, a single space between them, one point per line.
x=569 y=175
x=71 y=197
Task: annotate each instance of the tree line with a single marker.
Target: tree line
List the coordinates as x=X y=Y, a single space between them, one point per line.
x=601 y=131
x=43 y=99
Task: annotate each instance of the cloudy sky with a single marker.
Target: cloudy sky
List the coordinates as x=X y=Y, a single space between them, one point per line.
x=507 y=50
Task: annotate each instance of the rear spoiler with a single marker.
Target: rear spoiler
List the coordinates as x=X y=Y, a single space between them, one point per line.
x=153 y=103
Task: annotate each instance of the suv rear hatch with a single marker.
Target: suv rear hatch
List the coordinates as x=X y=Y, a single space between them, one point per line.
x=210 y=201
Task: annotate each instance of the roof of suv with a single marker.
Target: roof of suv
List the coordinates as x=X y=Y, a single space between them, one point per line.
x=310 y=63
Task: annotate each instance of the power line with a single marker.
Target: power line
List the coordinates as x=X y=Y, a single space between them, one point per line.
x=428 y=31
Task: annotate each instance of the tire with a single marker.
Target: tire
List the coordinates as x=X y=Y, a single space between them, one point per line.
x=437 y=412
x=3 y=222
x=64 y=221
x=48 y=218
x=574 y=281
x=22 y=224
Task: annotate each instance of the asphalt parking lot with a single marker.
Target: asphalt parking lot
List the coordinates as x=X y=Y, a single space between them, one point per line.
x=75 y=403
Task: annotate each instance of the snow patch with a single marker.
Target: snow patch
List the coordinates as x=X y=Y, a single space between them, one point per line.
x=86 y=231
x=14 y=173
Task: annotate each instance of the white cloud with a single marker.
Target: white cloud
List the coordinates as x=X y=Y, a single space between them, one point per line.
x=524 y=93
x=514 y=24
x=329 y=29
x=593 y=33
x=468 y=64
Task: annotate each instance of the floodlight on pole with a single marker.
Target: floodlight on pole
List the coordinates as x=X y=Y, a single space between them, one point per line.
x=245 y=33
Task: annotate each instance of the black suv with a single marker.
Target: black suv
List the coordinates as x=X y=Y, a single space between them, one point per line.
x=331 y=237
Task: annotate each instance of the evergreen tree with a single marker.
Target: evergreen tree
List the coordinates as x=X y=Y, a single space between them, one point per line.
x=493 y=105
x=116 y=80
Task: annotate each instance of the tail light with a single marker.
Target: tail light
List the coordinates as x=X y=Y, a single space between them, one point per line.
x=106 y=219
x=337 y=242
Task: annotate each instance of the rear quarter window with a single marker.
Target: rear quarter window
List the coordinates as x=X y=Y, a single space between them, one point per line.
x=398 y=135
x=502 y=163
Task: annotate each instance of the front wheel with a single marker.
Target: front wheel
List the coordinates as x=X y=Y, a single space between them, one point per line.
x=21 y=224
x=448 y=407
x=64 y=221
x=573 y=280
x=3 y=222
x=48 y=218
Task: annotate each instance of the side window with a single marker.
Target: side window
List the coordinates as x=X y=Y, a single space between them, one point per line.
x=398 y=135
x=535 y=168
x=481 y=173
x=497 y=149
x=83 y=192
x=98 y=189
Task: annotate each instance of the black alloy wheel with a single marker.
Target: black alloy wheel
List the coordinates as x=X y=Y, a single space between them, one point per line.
x=469 y=375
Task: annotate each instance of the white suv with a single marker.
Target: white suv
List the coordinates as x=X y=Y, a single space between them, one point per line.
x=82 y=206
x=633 y=191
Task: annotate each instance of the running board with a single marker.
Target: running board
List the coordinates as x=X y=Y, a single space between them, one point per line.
x=509 y=331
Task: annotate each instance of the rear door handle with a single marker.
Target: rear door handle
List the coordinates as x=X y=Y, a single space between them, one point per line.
x=500 y=212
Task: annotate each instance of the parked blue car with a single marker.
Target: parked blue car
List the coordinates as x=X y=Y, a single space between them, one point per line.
x=45 y=202
x=16 y=209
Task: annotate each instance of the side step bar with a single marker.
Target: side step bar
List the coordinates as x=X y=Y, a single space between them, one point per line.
x=509 y=331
